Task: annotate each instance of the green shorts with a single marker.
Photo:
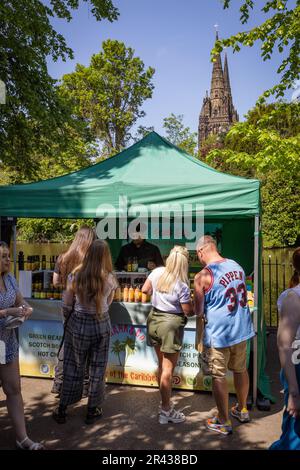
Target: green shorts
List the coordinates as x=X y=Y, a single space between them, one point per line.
x=165 y=330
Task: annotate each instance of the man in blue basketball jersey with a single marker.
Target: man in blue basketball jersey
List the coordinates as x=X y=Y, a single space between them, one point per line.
x=221 y=298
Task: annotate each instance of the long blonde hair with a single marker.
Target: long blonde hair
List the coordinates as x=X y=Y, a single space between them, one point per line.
x=74 y=256
x=177 y=265
x=92 y=275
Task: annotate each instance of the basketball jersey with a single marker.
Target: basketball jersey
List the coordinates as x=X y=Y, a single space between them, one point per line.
x=226 y=308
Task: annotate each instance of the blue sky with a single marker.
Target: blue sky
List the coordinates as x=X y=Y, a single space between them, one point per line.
x=175 y=37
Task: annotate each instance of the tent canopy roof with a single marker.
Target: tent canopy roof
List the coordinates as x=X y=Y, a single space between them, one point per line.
x=152 y=171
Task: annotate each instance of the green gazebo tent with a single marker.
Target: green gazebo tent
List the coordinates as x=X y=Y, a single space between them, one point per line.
x=153 y=171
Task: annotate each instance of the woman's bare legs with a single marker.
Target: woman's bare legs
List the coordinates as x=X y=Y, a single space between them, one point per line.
x=166 y=365
x=10 y=377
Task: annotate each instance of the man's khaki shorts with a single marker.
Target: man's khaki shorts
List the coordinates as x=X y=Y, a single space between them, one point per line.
x=217 y=361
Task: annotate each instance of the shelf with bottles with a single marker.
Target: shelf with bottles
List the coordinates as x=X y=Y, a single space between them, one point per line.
x=130 y=288
x=132 y=265
x=36 y=262
x=51 y=293
x=38 y=285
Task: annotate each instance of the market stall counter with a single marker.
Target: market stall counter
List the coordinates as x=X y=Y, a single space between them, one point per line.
x=131 y=361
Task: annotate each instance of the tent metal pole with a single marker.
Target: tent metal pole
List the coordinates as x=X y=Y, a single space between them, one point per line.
x=255 y=313
x=15 y=247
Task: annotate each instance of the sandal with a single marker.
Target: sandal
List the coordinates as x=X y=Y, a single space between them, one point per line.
x=59 y=415
x=93 y=414
x=31 y=446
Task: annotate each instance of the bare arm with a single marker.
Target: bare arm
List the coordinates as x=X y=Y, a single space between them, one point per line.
x=56 y=280
x=20 y=309
x=147 y=287
x=68 y=300
x=188 y=309
x=288 y=324
x=201 y=282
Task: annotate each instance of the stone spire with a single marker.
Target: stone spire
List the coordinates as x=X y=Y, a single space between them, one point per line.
x=226 y=77
x=217 y=112
x=217 y=78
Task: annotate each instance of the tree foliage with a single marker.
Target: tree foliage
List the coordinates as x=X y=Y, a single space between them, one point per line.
x=180 y=135
x=280 y=30
x=267 y=146
x=33 y=107
x=109 y=93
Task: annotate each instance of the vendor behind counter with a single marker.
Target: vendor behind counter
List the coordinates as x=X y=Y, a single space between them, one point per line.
x=148 y=255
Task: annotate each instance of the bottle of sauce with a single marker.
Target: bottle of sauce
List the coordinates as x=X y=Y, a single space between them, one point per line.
x=144 y=298
x=44 y=262
x=118 y=294
x=129 y=265
x=131 y=294
x=125 y=293
x=137 y=294
x=135 y=264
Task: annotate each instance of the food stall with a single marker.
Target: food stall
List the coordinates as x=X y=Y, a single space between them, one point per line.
x=151 y=172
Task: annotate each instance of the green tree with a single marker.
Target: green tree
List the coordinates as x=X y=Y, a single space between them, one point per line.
x=280 y=30
x=141 y=132
x=109 y=93
x=180 y=135
x=33 y=107
x=267 y=147
x=212 y=142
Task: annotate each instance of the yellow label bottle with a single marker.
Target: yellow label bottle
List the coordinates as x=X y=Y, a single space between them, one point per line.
x=125 y=294
x=131 y=294
x=129 y=265
x=118 y=294
x=137 y=294
x=144 y=298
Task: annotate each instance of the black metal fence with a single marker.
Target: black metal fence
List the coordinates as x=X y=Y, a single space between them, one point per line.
x=275 y=279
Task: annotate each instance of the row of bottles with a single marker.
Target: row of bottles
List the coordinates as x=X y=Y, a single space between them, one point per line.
x=128 y=293
x=38 y=292
x=36 y=263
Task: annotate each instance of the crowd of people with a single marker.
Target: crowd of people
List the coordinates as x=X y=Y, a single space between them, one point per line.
x=224 y=326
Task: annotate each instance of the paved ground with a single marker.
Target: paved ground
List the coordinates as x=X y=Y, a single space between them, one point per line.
x=130 y=420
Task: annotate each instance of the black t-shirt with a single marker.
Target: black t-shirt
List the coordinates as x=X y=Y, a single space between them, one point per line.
x=144 y=253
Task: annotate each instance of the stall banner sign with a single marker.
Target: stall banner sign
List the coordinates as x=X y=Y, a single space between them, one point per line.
x=39 y=343
x=131 y=361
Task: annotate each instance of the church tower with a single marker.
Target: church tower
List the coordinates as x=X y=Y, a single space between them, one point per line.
x=217 y=112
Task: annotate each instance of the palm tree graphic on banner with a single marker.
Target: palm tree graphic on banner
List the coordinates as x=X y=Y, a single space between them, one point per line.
x=127 y=346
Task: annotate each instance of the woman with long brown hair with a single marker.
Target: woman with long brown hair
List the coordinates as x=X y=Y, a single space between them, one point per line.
x=65 y=264
x=90 y=291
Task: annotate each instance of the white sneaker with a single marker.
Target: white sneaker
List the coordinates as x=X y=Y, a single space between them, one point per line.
x=171 y=416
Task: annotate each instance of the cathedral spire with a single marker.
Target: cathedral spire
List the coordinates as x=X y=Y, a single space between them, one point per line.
x=226 y=77
x=217 y=113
